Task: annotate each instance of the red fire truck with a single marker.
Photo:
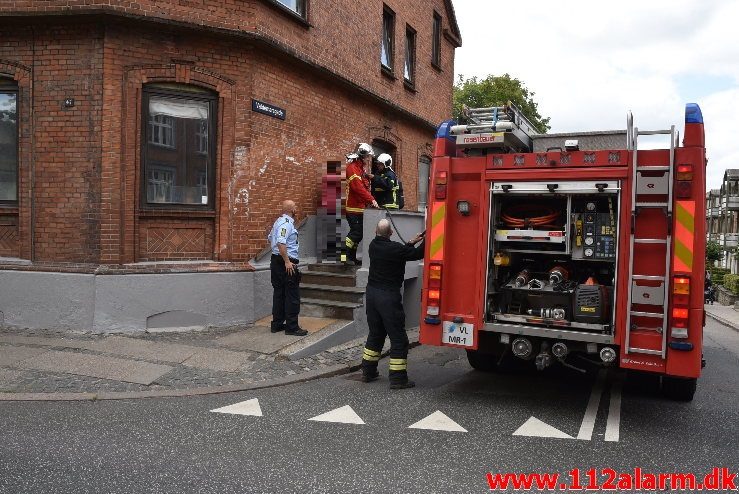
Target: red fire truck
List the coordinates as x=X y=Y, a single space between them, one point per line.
x=558 y=248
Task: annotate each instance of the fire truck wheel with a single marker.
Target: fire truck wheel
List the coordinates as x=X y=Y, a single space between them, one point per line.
x=679 y=389
x=484 y=362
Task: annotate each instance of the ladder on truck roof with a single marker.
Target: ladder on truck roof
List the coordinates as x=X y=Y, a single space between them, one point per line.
x=505 y=128
x=651 y=188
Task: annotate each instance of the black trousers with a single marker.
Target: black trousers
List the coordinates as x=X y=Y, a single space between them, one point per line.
x=386 y=318
x=286 y=294
x=356 y=231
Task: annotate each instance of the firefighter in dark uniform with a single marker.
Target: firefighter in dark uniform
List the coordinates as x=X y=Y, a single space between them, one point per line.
x=385 y=183
x=285 y=276
x=385 y=314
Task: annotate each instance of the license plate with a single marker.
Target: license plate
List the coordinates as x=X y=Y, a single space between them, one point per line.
x=461 y=334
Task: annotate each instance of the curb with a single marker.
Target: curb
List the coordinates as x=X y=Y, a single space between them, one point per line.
x=725 y=322
x=335 y=370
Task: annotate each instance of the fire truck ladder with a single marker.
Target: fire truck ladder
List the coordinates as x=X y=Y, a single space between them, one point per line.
x=649 y=185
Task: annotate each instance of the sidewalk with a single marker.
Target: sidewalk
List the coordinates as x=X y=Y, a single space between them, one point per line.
x=52 y=366
x=725 y=314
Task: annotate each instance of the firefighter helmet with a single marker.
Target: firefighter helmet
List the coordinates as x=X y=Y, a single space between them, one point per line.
x=386 y=160
x=365 y=149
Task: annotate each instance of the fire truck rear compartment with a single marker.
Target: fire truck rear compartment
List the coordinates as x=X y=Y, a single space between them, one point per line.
x=552 y=270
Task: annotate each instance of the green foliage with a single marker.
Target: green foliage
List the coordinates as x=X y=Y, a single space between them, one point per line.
x=731 y=282
x=714 y=252
x=717 y=275
x=497 y=91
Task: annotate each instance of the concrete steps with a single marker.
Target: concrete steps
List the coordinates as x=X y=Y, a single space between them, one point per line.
x=332 y=293
x=312 y=277
x=328 y=308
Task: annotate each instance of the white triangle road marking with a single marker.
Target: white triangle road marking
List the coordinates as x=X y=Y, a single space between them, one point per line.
x=534 y=427
x=248 y=407
x=437 y=421
x=342 y=415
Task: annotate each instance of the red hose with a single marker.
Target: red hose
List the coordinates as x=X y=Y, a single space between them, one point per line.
x=521 y=216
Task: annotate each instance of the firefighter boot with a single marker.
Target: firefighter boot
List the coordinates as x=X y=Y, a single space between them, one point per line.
x=399 y=374
x=369 y=365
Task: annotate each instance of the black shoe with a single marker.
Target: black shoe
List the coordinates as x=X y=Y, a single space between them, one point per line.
x=297 y=332
x=402 y=385
x=368 y=378
x=277 y=329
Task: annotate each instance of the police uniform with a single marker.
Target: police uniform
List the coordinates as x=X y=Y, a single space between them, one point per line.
x=385 y=314
x=286 y=295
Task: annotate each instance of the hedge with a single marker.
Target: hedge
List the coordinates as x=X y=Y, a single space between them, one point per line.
x=717 y=275
x=731 y=283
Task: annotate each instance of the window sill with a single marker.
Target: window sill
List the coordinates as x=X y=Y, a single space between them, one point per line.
x=9 y=209
x=409 y=86
x=388 y=73
x=437 y=67
x=303 y=21
x=170 y=212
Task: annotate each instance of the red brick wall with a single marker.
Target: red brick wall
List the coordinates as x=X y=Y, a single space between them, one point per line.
x=344 y=36
x=87 y=205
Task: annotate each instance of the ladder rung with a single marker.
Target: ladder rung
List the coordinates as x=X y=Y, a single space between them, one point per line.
x=663 y=168
x=650 y=241
x=653 y=132
x=655 y=315
x=651 y=204
x=645 y=351
x=647 y=277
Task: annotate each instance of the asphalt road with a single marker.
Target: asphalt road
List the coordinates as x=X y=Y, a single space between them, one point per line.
x=181 y=446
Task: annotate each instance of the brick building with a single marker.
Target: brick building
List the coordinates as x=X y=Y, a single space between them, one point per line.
x=167 y=130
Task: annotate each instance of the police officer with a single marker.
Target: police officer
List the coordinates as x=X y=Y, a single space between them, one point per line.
x=284 y=272
x=358 y=197
x=385 y=183
x=385 y=314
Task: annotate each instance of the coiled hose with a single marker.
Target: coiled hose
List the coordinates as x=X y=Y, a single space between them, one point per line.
x=528 y=215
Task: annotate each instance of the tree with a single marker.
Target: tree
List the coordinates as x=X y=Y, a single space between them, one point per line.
x=497 y=91
x=714 y=253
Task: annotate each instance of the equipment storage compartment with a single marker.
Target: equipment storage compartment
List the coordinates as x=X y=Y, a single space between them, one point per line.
x=553 y=255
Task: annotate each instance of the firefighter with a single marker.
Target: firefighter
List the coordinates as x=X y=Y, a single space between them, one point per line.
x=385 y=183
x=385 y=314
x=285 y=276
x=358 y=196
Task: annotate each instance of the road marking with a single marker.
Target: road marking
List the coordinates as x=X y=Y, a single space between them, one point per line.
x=437 y=421
x=591 y=412
x=613 y=425
x=248 y=407
x=343 y=415
x=534 y=427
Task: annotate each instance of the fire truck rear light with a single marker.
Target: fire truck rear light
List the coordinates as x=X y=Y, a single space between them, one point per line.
x=432 y=311
x=441 y=178
x=684 y=346
x=680 y=333
x=681 y=286
x=440 y=192
x=679 y=313
x=685 y=172
x=432 y=320
x=683 y=190
x=436 y=295
x=435 y=272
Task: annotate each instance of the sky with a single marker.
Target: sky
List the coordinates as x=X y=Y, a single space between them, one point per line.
x=590 y=62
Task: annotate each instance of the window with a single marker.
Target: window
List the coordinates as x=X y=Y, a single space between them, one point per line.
x=162 y=130
x=388 y=39
x=436 y=42
x=8 y=142
x=424 y=167
x=409 y=70
x=178 y=161
x=297 y=6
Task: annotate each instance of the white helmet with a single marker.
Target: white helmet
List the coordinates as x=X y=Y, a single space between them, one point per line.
x=365 y=149
x=386 y=160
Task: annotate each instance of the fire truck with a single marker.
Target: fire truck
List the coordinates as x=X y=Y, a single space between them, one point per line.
x=564 y=248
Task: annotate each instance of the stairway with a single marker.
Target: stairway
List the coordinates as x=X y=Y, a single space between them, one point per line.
x=329 y=290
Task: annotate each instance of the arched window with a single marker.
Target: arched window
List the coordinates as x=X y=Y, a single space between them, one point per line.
x=178 y=146
x=8 y=141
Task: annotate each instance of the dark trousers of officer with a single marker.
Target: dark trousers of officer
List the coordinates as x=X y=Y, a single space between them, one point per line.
x=286 y=295
x=386 y=317
x=356 y=230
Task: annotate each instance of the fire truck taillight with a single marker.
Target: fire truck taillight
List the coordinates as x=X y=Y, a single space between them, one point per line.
x=684 y=185
x=435 y=276
x=440 y=186
x=681 y=286
x=679 y=322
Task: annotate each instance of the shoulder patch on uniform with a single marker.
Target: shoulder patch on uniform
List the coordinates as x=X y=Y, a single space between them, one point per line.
x=283 y=231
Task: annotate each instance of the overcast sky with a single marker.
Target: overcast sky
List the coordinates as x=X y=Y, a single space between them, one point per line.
x=590 y=62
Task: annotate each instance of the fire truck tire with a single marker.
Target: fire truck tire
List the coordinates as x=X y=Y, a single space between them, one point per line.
x=484 y=362
x=677 y=388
